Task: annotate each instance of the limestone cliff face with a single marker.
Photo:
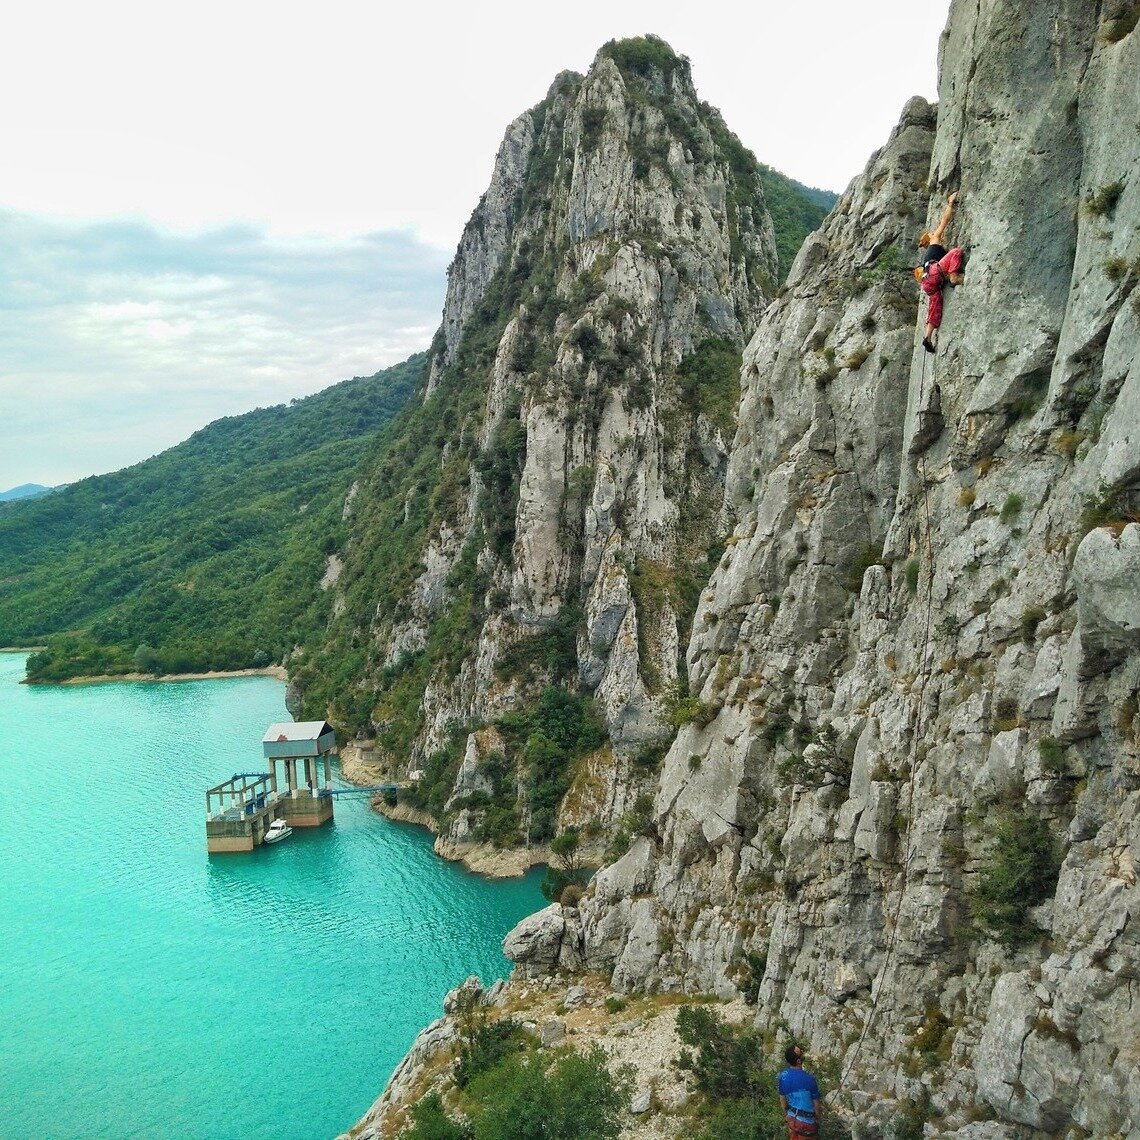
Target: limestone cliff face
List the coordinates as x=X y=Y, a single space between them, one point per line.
x=924 y=634
x=562 y=483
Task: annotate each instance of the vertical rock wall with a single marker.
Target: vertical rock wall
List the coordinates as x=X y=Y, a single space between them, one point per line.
x=927 y=620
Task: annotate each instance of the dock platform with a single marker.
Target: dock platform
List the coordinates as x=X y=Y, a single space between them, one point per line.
x=239 y=810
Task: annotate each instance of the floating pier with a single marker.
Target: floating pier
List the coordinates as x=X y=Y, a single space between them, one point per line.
x=239 y=810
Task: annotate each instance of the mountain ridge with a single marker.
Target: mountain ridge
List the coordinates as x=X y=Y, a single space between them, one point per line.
x=519 y=568
x=152 y=569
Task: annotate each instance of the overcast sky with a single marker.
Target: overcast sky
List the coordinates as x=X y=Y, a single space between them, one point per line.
x=210 y=208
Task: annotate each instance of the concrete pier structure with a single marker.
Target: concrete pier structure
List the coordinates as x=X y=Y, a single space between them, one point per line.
x=239 y=810
x=306 y=800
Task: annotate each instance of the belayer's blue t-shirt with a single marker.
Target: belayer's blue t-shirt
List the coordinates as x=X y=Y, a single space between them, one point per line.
x=801 y=1091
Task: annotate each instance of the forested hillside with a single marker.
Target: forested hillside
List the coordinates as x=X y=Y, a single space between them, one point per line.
x=208 y=556
x=796 y=210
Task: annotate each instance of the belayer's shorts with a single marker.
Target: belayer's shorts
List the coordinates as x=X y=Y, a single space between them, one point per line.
x=801 y=1128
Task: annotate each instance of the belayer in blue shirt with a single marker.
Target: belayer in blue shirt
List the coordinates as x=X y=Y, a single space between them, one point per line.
x=799 y=1096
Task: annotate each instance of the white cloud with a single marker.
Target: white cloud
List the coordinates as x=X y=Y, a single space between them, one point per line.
x=340 y=117
x=118 y=339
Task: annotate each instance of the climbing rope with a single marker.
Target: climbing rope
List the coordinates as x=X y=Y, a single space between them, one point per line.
x=924 y=674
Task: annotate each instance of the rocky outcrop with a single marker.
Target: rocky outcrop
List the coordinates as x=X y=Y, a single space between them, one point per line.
x=558 y=495
x=925 y=621
x=900 y=809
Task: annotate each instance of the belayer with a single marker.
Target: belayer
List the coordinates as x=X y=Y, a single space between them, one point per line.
x=799 y=1096
x=939 y=266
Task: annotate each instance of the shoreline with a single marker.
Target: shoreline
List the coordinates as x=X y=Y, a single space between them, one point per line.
x=479 y=858
x=276 y=671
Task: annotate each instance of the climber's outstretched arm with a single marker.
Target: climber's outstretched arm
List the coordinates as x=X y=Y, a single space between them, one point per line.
x=940 y=231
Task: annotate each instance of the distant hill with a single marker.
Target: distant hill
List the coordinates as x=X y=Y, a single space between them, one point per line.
x=796 y=211
x=824 y=198
x=23 y=491
x=208 y=556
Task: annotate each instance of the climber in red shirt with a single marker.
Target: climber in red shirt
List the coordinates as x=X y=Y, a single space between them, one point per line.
x=939 y=266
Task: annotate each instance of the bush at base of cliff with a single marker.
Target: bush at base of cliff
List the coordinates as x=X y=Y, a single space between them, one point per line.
x=430 y=1122
x=570 y=1096
x=534 y=1096
x=556 y=882
x=736 y=1090
x=484 y=1047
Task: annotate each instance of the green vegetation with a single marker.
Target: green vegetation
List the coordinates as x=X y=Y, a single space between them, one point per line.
x=891 y=271
x=651 y=70
x=637 y=821
x=208 y=556
x=1109 y=507
x=484 y=1045
x=796 y=211
x=430 y=1122
x=421 y=474
x=647 y=58
x=1102 y=204
x=657 y=585
x=870 y=555
x=691 y=710
x=710 y=380
x=1011 y=508
x=912 y=575
x=553 y=733
x=528 y=1094
x=1020 y=872
x=565 y=882
x=1118 y=268
x=1052 y=754
x=752 y=966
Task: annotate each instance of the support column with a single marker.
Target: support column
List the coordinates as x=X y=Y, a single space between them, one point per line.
x=291 y=772
x=328 y=772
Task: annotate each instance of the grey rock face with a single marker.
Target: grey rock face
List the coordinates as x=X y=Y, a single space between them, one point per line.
x=618 y=239
x=486 y=239
x=545 y=942
x=929 y=607
x=925 y=618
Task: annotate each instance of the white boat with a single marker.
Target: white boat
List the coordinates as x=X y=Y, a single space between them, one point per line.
x=277 y=831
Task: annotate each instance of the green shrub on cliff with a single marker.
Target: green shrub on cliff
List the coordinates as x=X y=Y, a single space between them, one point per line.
x=735 y=1088
x=543 y=1096
x=1020 y=872
x=530 y=1095
x=430 y=1122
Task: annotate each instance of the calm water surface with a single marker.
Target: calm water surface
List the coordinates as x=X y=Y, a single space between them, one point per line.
x=147 y=990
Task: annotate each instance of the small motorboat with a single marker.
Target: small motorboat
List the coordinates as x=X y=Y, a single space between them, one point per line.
x=277 y=831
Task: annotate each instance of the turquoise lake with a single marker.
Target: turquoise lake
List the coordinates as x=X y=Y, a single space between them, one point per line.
x=150 y=990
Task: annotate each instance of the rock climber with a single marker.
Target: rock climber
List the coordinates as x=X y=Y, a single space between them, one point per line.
x=799 y=1096
x=939 y=266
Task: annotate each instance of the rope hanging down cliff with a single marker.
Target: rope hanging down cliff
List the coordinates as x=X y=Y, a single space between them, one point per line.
x=924 y=676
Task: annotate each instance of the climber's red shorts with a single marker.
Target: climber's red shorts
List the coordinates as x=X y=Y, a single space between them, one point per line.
x=935 y=278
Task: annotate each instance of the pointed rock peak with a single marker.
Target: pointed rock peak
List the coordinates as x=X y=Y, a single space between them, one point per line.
x=648 y=59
